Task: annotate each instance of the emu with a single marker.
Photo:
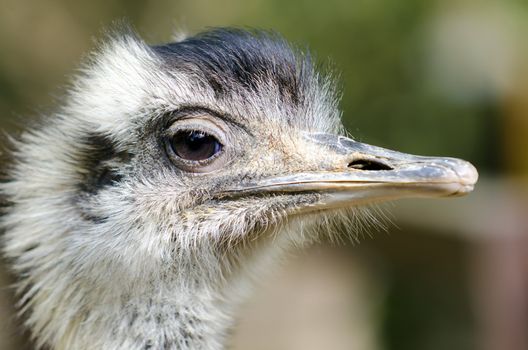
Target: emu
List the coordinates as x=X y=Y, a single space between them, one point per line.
x=171 y=176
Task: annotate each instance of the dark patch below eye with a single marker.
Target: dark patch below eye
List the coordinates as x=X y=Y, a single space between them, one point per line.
x=98 y=161
x=98 y=169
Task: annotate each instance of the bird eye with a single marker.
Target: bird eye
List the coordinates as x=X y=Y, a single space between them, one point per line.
x=194 y=145
x=197 y=141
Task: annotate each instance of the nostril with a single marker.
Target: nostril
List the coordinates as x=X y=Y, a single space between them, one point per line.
x=368 y=165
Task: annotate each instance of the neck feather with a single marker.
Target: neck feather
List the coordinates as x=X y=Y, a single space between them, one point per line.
x=181 y=307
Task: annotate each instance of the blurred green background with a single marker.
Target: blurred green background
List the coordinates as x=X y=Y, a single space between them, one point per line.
x=422 y=76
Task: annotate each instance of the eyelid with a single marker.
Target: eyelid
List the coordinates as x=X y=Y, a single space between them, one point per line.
x=190 y=123
x=193 y=111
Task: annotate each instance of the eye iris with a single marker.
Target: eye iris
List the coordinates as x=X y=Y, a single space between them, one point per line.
x=195 y=145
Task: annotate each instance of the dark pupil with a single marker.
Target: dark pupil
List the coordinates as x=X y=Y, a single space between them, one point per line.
x=195 y=145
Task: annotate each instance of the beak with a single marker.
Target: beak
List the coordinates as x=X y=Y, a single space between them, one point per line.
x=362 y=173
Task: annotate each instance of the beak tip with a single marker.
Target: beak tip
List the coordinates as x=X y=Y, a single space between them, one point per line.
x=468 y=175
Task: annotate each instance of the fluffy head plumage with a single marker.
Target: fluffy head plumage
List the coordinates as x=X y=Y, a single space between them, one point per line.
x=97 y=207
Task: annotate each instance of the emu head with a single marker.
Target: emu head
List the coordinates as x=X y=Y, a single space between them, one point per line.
x=170 y=167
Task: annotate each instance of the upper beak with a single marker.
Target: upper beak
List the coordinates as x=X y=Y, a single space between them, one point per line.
x=366 y=173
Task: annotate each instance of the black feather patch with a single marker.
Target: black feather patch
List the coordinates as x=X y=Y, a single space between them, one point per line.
x=100 y=163
x=233 y=58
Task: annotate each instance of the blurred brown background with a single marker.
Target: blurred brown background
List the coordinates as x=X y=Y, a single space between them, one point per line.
x=431 y=77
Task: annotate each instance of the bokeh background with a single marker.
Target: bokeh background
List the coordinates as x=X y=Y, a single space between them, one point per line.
x=432 y=77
